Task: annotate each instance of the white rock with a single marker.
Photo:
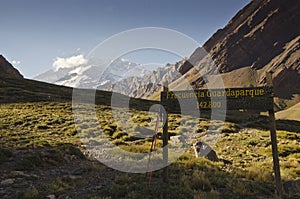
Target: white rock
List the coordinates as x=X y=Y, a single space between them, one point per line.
x=51 y=197
x=7 y=181
x=18 y=173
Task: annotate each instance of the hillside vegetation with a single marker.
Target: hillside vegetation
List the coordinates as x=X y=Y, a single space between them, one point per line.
x=42 y=154
x=48 y=152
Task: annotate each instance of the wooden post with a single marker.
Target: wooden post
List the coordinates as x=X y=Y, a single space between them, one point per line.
x=272 y=122
x=165 y=138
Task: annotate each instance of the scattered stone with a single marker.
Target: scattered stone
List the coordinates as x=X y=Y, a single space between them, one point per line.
x=20 y=185
x=73 y=177
x=176 y=139
x=204 y=150
x=73 y=157
x=98 y=187
x=292 y=187
x=7 y=181
x=78 y=171
x=34 y=176
x=18 y=173
x=67 y=159
x=51 y=197
x=63 y=197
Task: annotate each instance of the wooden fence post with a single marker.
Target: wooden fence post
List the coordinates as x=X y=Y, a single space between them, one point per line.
x=272 y=122
x=165 y=138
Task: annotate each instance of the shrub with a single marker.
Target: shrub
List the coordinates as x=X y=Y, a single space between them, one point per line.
x=5 y=154
x=213 y=194
x=31 y=193
x=30 y=162
x=71 y=150
x=61 y=184
x=42 y=126
x=197 y=181
x=258 y=174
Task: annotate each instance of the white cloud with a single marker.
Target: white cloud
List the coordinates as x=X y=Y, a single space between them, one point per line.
x=69 y=62
x=14 y=62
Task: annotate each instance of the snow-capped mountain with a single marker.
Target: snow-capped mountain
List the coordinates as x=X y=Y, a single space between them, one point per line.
x=94 y=73
x=144 y=87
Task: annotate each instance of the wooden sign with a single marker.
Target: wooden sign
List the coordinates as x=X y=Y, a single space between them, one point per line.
x=254 y=98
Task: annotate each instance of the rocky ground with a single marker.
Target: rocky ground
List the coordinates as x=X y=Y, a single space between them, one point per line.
x=71 y=177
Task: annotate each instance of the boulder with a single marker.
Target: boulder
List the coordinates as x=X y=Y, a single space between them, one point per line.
x=204 y=150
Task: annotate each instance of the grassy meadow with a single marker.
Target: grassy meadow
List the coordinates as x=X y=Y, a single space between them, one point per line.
x=43 y=152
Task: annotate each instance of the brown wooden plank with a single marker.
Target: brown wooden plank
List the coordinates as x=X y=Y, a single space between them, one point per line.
x=254 y=98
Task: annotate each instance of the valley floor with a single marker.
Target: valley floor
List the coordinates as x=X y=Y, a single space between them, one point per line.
x=43 y=153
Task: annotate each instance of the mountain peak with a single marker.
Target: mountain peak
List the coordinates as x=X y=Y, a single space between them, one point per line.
x=7 y=69
x=261 y=37
x=96 y=73
x=255 y=35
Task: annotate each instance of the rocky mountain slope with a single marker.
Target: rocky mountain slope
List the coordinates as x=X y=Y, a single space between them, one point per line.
x=143 y=87
x=6 y=69
x=263 y=36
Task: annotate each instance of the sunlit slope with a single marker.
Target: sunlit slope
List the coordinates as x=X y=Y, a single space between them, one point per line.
x=292 y=113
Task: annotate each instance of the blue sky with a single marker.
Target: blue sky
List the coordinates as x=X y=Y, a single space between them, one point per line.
x=35 y=32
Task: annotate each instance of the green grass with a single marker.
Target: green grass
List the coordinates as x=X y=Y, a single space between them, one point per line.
x=48 y=130
x=36 y=125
